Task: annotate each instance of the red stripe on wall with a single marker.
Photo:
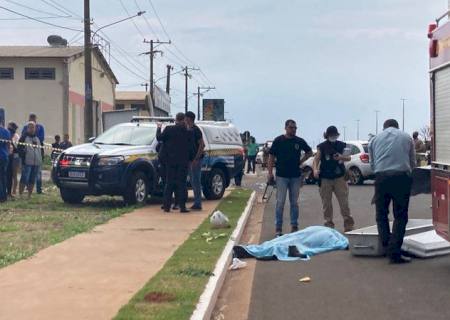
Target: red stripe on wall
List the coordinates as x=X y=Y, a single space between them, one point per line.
x=78 y=99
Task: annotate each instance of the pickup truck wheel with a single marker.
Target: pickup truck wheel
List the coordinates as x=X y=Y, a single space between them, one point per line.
x=355 y=176
x=214 y=187
x=71 y=196
x=137 y=189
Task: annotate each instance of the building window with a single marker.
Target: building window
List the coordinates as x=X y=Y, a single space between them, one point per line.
x=40 y=73
x=120 y=106
x=6 y=73
x=137 y=106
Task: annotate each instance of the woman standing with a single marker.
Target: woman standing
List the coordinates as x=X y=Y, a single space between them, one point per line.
x=14 y=161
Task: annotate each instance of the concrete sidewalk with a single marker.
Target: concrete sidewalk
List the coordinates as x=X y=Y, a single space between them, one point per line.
x=90 y=276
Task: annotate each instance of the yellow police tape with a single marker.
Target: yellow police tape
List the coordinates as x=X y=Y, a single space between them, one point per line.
x=45 y=146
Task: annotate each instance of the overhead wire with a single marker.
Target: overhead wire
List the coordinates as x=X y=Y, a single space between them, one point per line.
x=37 y=10
x=38 y=20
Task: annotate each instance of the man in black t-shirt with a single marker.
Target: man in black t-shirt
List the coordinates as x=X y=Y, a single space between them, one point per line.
x=329 y=168
x=195 y=170
x=286 y=152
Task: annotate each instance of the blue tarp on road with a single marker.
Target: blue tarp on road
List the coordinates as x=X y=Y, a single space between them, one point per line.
x=310 y=241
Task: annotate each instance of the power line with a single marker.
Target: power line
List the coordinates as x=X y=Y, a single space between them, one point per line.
x=128 y=69
x=61 y=8
x=17 y=19
x=38 y=20
x=132 y=21
x=37 y=10
x=146 y=20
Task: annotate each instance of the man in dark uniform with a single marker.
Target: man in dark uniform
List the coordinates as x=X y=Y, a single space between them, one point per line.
x=178 y=152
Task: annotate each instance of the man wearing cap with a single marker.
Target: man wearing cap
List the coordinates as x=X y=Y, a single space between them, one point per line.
x=330 y=170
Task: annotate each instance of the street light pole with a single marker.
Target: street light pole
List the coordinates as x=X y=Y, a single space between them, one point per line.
x=357 y=129
x=199 y=94
x=403 y=113
x=345 y=133
x=376 y=121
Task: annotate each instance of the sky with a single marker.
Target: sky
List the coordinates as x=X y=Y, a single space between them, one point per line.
x=320 y=62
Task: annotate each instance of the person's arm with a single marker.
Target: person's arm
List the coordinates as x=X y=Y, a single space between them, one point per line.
x=371 y=157
x=42 y=134
x=270 y=165
x=201 y=146
x=316 y=164
x=161 y=136
x=412 y=155
x=306 y=156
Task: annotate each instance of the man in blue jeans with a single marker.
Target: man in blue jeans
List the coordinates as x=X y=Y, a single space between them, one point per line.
x=285 y=154
x=4 y=152
x=195 y=170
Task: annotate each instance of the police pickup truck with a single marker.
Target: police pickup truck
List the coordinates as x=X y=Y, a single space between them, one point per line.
x=123 y=161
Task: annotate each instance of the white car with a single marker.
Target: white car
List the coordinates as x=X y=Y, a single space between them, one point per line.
x=358 y=168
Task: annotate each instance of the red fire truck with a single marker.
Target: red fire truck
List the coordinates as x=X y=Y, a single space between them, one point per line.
x=439 y=35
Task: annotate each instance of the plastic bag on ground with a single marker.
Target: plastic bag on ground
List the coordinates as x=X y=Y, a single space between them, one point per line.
x=219 y=220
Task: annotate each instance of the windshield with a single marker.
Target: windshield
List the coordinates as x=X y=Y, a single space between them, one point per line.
x=127 y=135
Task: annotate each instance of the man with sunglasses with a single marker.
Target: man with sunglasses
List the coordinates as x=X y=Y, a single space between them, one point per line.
x=285 y=154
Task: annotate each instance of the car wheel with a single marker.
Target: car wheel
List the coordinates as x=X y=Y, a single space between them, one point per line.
x=137 y=189
x=71 y=196
x=215 y=185
x=309 y=176
x=355 y=176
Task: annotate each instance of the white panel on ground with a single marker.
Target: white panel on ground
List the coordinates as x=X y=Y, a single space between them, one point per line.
x=365 y=241
x=426 y=245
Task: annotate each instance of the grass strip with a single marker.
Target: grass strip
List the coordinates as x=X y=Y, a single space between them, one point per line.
x=174 y=291
x=30 y=225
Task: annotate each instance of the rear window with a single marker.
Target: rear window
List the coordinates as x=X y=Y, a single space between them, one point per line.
x=366 y=147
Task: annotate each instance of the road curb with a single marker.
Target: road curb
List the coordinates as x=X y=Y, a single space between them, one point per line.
x=209 y=296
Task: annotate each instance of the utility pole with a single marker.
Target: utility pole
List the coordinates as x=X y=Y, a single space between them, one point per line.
x=88 y=114
x=186 y=77
x=145 y=85
x=169 y=69
x=151 y=54
x=200 y=94
x=376 y=121
x=403 y=113
x=357 y=129
x=345 y=133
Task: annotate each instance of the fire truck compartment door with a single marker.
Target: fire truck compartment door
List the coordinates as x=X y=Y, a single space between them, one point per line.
x=442 y=115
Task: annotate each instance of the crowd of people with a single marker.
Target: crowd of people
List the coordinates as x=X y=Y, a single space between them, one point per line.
x=392 y=157
x=23 y=152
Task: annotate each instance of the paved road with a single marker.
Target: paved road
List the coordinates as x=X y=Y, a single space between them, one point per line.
x=347 y=287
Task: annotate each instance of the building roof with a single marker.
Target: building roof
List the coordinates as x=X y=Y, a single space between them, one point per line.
x=51 y=52
x=131 y=95
x=39 y=51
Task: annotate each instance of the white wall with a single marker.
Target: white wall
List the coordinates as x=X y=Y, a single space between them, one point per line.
x=19 y=97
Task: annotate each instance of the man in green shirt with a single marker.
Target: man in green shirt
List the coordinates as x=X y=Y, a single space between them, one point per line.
x=252 y=151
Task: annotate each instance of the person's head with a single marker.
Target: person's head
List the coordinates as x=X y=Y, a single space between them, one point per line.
x=179 y=118
x=390 y=123
x=252 y=140
x=415 y=135
x=189 y=118
x=32 y=117
x=332 y=134
x=291 y=127
x=57 y=138
x=66 y=137
x=12 y=127
x=31 y=128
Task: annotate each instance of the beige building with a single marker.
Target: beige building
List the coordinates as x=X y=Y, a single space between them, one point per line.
x=140 y=101
x=49 y=81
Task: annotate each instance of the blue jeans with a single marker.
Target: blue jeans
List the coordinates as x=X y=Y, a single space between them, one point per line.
x=29 y=174
x=39 y=179
x=3 y=167
x=195 y=176
x=283 y=185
